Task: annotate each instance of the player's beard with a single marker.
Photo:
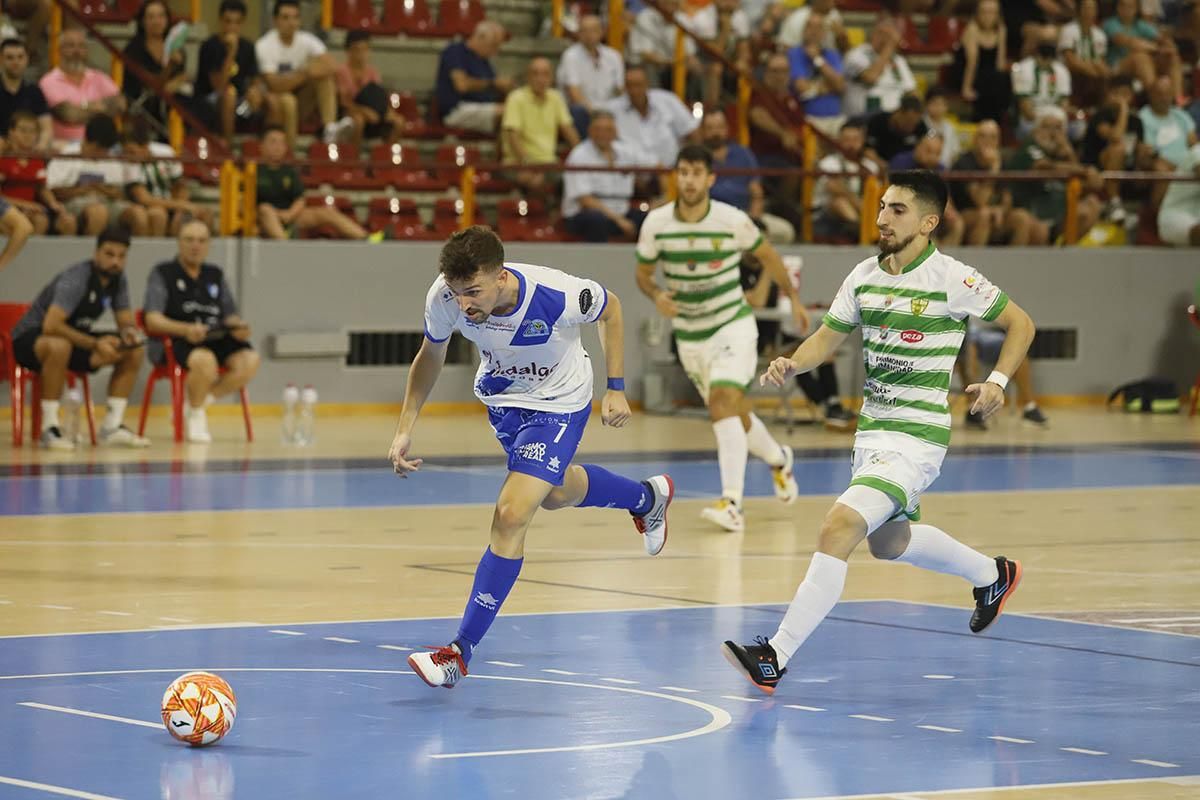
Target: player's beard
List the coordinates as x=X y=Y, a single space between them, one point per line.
x=692 y=202
x=895 y=246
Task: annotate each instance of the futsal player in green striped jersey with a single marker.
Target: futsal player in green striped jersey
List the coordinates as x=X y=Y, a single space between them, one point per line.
x=912 y=303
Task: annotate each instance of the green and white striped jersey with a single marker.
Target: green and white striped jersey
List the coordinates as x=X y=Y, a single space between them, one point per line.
x=701 y=261
x=913 y=326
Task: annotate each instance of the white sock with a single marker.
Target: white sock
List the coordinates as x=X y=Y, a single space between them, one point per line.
x=194 y=411
x=49 y=414
x=761 y=443
x=934 y=549
x=732 y=450
x=1031 y=405
x=815 y=598
x=116 y=413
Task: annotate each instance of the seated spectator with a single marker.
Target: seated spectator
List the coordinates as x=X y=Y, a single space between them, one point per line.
x=1082 y=46
x=1026 y=21
x=744 y=192
x=877 y=76
x=1048 y=148
x=981 y=63
x=535 y=115
x=19 y=94
x=362 y=96
x=776 y=119
x=189 y=300
x=228 y=85
x=989 y=215
x=891 y=133
x=817 y=79
x=281 y=207
x=1169 y=129
x=160 y=186
x=94 y=186
x=75 y=92
x=36 y=15
x=596 y=205
x=833 y=31
x=1040 y=81
x=1137 y=48
x=298 y=70
x=652 y=45
x=985 y=341
x=162 y=59
x=590 y=73
x=23 y=179
x=937 y=118
x=928 y=155
x=726 y=27
x=1179 y=214
x=469 y=93
x=837 y=198
x=1115 y=140
x=653 y=121
x=55 y=336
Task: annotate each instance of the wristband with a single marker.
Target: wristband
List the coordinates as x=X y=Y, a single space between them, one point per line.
x=998 y=378
x=616 y=384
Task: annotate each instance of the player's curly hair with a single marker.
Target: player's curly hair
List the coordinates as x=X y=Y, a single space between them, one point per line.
x=468 y=252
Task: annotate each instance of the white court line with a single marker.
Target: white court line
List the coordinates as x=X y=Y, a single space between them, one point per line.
x=1020 y=787
x=394 y=647
x=680 y=689
x=56 y=608
x=871 y=718
x=1011 y=740
x=1152 y=763
x=1083 y=751
x=340 y=640
x=621 y=681
x=288 y=633
x=1156 y=619
x=6 y=602
x=81 y=713
x=559 y=672
x=174 y=619
x=116 y=613
x=938 y=677
x=741 y=699
x=1177 y=625
x=504 y=663
x=805 y=708
x=940 y=729
x=59 y=790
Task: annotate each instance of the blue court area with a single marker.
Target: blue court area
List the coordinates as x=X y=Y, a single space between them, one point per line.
x=886 y=697
x=363 y=483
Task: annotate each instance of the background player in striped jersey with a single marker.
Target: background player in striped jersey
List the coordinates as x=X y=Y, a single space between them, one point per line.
x=536 y=380
x=699 y=242
x=912 y=303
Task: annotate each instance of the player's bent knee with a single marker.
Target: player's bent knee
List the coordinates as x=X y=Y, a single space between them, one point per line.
x=890 y=540
x=511 y=519
x=841 y=531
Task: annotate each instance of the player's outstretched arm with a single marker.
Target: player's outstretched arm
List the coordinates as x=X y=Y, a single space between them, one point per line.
x=812 y=353
x=614 y=410
x=422 y=375
x=1018 y=335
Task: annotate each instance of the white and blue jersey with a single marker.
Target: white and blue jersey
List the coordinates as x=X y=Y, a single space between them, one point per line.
x=534 y=375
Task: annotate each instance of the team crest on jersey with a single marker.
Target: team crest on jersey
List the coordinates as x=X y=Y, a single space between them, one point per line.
x=919 y=305
x=716 y=242
x=535 y=328
x=691 y=265
x=887 y=301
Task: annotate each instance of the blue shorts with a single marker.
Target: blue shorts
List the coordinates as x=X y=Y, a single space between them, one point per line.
x=539 y=443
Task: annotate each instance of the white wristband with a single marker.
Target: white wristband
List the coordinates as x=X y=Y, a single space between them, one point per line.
x=998 y=378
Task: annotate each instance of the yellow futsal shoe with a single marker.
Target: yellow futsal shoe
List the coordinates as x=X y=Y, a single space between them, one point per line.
x=727 y=514
x=784 y=478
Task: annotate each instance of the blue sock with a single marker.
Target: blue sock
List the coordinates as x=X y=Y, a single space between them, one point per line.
x=494 y=579
x=609 y=490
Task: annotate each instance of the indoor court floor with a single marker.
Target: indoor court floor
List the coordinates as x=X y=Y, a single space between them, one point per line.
x=305 y=577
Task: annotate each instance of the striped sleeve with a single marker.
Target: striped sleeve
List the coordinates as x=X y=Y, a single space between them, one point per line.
x=970 y=293
x=647 y=245
x=843 y=315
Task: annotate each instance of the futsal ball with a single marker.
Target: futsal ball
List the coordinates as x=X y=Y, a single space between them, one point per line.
x=198 y=708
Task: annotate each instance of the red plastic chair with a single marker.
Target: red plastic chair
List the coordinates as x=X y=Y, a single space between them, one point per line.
x=412 y=16
x=17 y=376
x=171 y=371
x=396 y=215
x=452 y=156
x=458 y=17
x=362 y=15
x=338 y=165
x=446 y=214
x=211 y=152
x=1194 y=316
x=524 y=221
x=944 y=33
x=341 y=203
x=387 y=161
x=910 y=39
x=102 y=11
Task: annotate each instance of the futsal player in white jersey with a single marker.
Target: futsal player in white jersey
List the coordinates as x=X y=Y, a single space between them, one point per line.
x=911 y=302
x=536 y=380
x=699 y=242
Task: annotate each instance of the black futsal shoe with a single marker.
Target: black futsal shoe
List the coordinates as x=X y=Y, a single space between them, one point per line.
x=758 y=662
x=990 y=600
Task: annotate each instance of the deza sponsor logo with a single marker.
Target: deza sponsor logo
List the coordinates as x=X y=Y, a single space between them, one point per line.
x=912 y=337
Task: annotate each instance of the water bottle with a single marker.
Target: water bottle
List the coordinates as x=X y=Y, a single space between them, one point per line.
x=291 y=399
x=72 y=404
x=308 y=409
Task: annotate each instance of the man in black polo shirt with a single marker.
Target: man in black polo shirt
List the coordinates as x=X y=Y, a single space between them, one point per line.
x=18 y=94
x=227 y=78
x=55 y=336
x=890 y=133
x=189 y=300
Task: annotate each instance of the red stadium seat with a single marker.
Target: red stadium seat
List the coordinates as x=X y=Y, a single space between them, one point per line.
x=387 y=161
x=911 y=42
x=251 y=148
x=396 y=215
x=341 y=203
x=446 y=213
x=339 y=165
x=451 y=156
x=458 y=17
x=362 y=15
x=412 y=16
x=211 y=152
x=109 y=11
x=525 y=221
x=944 y=33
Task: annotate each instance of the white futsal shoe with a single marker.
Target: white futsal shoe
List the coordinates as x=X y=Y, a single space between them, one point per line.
x=727 y=514
x=443 y=667
x=783 y=477
x=653 y=524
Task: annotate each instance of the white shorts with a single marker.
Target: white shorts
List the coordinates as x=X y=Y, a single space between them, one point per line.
x=478 y=117
x=727 y=358
x=1175 y=225
x=887 y=485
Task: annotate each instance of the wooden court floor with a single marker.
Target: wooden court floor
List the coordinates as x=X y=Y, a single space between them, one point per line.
x=1103 y=555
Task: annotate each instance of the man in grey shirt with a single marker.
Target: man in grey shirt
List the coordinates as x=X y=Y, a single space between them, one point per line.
x=55 y=336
